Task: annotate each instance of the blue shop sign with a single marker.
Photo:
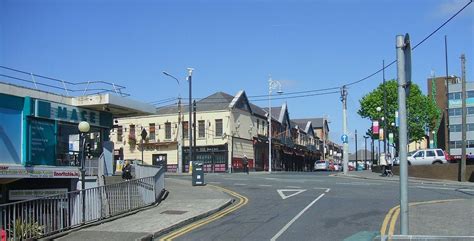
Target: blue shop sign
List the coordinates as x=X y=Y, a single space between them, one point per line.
x=68 y=113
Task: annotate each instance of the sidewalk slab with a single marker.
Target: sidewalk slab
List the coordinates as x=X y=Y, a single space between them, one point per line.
x=183 y=204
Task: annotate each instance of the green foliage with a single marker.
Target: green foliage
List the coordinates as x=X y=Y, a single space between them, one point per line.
x=421 y=110
x=25 y=230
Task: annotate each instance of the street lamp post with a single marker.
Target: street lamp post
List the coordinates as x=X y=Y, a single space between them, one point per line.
x=272 y=84
x=84 y=127
x=180 y=162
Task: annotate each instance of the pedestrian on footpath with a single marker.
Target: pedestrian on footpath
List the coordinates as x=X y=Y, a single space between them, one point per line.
x=383 y=164
x=245 y=163
x=127 y=171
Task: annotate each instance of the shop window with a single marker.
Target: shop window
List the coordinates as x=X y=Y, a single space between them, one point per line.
x=202 y=129
x=120 y=133
x=168 y=130
x=219 y=128
x=152 y=131
x=185 y=129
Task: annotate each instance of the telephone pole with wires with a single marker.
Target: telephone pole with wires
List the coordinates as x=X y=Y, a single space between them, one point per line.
x=344 y=127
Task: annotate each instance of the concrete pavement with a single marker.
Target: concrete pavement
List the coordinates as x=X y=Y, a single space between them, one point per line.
x=183 y=205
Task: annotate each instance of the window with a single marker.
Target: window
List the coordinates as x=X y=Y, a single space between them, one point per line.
x=430 y=154
x=470 y=110
x=470 y=94
x=419 y=154
x=202 y=129
x=440 y=152
x=455 y=128
x=470 y=144
x=132 y=131
x=258 y=125
x=152 y=131
x=219 y=130
x=455 y=96
x=167 y=130
x=455 y=112
x=120 y=133
x=470 y=127
x=455 y=144
x=185 y=129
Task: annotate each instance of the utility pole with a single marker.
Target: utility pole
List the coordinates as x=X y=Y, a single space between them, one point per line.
x=384 y=120
x=344 y=127
x=356 y=150
x=180 y=138
x=404 y=78
x=190 y=124
x=194 y=130
x=446 y=143
x=462 y=164
x=365 y=154
x=324 y=137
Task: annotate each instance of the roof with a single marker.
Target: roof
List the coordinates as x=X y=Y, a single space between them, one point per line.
x=216 y=101
x=275 y=112
x=316 y=122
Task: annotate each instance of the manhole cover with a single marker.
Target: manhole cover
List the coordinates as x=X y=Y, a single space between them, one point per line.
x=173 y=212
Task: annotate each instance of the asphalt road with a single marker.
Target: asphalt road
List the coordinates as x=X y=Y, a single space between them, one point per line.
x=308 y=206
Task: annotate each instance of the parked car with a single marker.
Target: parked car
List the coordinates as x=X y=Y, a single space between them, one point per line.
x=424 y=157
x=321 y=165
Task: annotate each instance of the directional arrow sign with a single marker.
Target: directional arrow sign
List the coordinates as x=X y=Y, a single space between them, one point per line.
x=294 y=192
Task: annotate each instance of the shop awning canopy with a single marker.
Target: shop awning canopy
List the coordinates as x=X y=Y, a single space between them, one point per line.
x=117 y=105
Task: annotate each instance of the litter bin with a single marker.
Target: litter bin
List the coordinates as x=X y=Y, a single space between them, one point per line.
x=198 y=174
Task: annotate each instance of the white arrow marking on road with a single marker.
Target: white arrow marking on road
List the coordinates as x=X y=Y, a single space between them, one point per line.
x=296 y=192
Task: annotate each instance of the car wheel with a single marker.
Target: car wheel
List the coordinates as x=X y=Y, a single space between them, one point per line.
x=437 y=162
x=409 y=163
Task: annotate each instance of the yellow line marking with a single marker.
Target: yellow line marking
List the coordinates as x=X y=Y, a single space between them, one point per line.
x=396 y=214
x=386 y=220
x=242 y=201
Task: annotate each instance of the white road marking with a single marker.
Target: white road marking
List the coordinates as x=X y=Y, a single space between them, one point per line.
x=327 y=189
x=240 y=184
x=447 y=188
x=295 y=192
x=295 y=218
x=357 y=183
x=292 y=187
x=263 y=185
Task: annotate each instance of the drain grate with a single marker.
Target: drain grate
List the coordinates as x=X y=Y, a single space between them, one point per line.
x=174 y=212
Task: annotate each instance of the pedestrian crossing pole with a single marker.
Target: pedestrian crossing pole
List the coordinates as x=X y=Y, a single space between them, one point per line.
x=344 y=126
x=403 y=48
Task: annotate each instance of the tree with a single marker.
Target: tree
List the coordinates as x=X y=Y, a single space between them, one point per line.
x=421 y=110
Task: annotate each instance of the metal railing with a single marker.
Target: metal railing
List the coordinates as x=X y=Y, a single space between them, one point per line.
x=53 y=214
x=54 y=85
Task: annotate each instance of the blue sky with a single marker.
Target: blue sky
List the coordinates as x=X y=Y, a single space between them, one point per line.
x=235 y=45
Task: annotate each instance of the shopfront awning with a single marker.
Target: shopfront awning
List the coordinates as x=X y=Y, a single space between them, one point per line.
x=117 y=105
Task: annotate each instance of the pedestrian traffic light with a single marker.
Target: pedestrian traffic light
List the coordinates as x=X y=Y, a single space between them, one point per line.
x=88 y=147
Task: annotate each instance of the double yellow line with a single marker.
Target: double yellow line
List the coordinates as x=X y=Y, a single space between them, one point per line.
x=391 y=218
x=242 y=200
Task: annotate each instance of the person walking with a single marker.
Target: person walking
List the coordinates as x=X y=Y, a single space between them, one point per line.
x=127 y=171
x=245 y=163
x=383 y=163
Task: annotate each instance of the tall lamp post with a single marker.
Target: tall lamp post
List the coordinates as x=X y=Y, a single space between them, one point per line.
x=381 y=130
x=180 y=142
x=190 y=123
x=365 y=154
x=84 y=127
x=272 y=84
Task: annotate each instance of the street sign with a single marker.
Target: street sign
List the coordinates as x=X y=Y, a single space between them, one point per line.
x=344 y=139
x=407 y=50
x=390 y=138
x=144 y=133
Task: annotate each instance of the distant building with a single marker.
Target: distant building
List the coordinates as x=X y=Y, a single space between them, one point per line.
x=438 y=87
x=455 y=118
